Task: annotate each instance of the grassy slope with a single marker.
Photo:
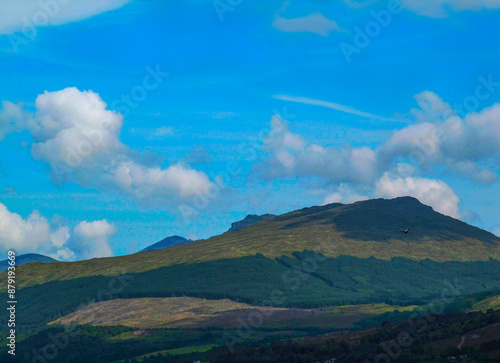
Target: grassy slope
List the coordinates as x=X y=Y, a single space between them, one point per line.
x=185 y=312
x=254 y=280
x=174 y=312
x=179 y=351
x=362 y=229
x=491 y=303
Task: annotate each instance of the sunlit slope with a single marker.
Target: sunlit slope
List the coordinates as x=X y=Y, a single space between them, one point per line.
x=362 y=229
x=306 y=280
x=490 y=303
x=188 y=312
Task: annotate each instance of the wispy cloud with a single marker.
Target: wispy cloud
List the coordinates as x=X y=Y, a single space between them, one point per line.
x=331 y=105
x=162 y=132
x=17 y=15
x=443 y=8
x=314 y=23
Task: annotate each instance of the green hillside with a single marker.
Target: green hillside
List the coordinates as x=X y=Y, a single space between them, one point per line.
x=490 y=303
x=362 y=229
x=306 y=280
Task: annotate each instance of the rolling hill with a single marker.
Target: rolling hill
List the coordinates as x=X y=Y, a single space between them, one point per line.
x=310 y=271
x=362 y=229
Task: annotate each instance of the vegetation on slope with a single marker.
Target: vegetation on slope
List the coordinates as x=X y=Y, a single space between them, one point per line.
x=490 y=303
x=174 y=312
x=442 y=338
x=248 y=221
x=362 y=229
x=186 y=312
x=430 y=338
x=298 y=282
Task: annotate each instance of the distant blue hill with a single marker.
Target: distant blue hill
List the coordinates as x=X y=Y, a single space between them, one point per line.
x=29 y=257
x=171 y=241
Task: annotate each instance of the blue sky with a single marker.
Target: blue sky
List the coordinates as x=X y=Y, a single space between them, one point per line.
x=262 y=95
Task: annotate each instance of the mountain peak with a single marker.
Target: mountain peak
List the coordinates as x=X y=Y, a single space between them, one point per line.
x=171 y=241
x=384 y=219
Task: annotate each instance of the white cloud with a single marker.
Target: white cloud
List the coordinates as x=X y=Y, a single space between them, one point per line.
x=434 y=193
x=145 y=182
x=344 y=194
x=466 y=144
x=12 y=119
x=18 y=15
x=78 y=137
x=332 y=198
x=91 y=239
x=36 y=235
x=291 y=155
x=496 y=231
x=442 y=8
x=15 y=232
x=439 y=138
x=314 y=23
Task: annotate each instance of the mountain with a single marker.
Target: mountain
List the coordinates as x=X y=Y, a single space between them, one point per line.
x=313 y=270
x=362 y=229
x=22 y=259
x=248 y=221
x=171 y=241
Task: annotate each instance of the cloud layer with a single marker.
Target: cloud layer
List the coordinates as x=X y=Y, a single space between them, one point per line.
x=314 y=23
x=439 y=137
x=36 y=234
x=26 y=15
x=78 y=137
x=431 y=192
x=442 y=8
x=432 y=8
x=91 y=239
x=466 y=144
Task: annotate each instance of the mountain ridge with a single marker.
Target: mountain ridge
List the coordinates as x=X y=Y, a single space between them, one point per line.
x=167 y=242
x=325 y=229
x=249 y=220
